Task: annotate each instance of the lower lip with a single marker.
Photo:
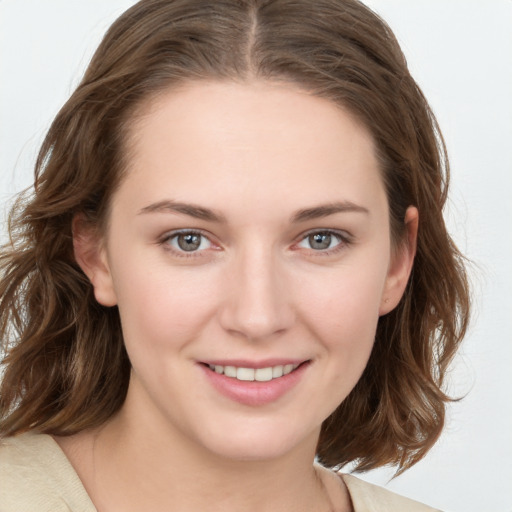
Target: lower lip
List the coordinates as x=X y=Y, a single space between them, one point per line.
x=254 y=393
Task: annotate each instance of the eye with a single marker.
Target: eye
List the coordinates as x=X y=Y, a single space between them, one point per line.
x=188 y=241
x=322 y=241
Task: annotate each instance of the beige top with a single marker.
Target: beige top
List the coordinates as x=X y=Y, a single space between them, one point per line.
x=36 y=476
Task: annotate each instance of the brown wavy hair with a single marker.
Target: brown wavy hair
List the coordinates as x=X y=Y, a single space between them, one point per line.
x=65 y=365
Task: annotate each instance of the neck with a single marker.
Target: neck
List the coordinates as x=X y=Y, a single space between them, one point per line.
x=199 y=480
x=125 y=466
x=137 y=462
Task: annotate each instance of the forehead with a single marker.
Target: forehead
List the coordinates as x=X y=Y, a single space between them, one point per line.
x=223 y=141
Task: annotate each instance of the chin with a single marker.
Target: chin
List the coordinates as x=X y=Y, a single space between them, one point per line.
x=259 y=443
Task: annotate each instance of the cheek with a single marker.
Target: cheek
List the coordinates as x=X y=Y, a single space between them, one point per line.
x=346 y=327
x=346 y=301
x=161 y=305
x=342 y=313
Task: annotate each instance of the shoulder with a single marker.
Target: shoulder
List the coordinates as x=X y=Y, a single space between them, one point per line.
x=367 y=497
x=35 y=475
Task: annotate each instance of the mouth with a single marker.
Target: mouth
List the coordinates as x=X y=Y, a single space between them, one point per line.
x=245 y=374
x=255 y=384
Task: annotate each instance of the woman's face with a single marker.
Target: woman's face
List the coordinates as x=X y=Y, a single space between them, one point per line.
x=248 y=251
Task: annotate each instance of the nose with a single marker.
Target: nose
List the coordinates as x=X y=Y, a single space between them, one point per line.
x=257 y=304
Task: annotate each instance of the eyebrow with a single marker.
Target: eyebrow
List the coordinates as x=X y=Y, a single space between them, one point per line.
x=192 y=210
x=199 y=212
x=327 y=209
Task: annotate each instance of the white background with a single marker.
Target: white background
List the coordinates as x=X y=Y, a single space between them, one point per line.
x=460 y=52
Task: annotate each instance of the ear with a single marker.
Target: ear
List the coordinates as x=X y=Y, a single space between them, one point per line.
x=91 y=256
x=401 y=264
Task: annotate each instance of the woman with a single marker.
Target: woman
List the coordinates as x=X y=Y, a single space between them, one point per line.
x=234 y=261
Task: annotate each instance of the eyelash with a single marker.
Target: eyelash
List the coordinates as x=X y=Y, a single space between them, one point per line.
x=344 y=240
x=167 y=238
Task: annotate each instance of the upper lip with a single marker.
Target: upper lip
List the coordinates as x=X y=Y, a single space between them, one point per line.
x=245 y=363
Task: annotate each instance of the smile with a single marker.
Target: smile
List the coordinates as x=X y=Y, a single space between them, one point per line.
x=254 y=374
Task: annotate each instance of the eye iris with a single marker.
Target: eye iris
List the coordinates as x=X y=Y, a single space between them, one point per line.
x=189 y=241
x=320 y=240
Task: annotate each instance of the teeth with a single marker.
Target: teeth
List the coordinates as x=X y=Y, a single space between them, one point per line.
x=263 y=374
x=287 y=369
x=230 y=371
x=277 y=371
x=252 y=374
x=245 y=373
